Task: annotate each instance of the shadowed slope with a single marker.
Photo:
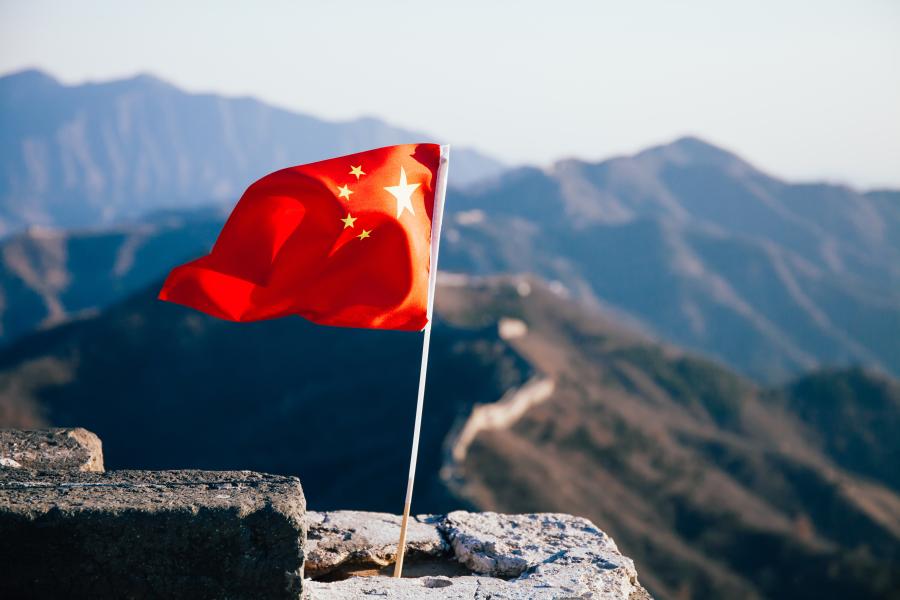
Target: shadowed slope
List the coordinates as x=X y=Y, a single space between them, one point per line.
x=715 y=487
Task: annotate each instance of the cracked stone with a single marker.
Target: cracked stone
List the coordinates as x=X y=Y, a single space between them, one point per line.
x=507 y=545
x=347 y=537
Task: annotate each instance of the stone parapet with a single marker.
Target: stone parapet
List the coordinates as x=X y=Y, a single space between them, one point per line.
x=151 y=534
x=70 y=532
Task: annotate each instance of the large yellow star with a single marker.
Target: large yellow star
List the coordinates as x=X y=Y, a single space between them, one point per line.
x=349 y=221
x=403 y=192
x=356 y=171
x=366 y=233
x=344 y=192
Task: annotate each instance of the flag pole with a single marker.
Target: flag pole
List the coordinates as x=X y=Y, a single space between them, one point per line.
x=437 y=216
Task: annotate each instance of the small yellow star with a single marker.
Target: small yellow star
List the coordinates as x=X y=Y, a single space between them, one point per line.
x=356 y=171
x=344 y=192
x=349 y=221
x=364 y=234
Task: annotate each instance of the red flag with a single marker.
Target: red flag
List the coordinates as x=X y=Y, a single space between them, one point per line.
x=344 y=241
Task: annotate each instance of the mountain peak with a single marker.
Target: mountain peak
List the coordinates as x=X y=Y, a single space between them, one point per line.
x=38 y=81
x=28 y=78
x=139 y=81
x=684 y=151
x=692 y=150
x=694 y=142
x=148 y=79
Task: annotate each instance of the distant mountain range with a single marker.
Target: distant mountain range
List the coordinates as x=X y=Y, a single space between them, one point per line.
x=98 y=153
x=717 y=487
x=685 y=241
x=702 y=249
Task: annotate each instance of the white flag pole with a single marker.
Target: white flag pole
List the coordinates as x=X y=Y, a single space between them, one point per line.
x=437 y=216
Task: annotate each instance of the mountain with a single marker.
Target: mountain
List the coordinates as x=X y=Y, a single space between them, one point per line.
x=49 y=276
x=98 y=153
x=717 y=487
x=686 y=241
x=702 y=249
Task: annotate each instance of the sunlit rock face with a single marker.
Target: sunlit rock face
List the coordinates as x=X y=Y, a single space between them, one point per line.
x=467 y=555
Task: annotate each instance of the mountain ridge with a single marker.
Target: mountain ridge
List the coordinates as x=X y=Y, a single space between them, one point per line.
x=702 y=248
x=687 y=239
x=99 y=153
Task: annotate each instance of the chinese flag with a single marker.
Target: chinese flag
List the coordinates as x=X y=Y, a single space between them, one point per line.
x=344 y=242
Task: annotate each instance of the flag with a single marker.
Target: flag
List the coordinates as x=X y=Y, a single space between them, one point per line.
x=344 y=241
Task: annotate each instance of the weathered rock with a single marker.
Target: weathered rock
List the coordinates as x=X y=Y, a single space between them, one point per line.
x=57 y=449
x=507 y=545
x=368 y=588
x=538 y=556
x=347 y=537
x=141 y=534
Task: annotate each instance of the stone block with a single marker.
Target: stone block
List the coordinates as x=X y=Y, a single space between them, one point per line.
x=151 y=534
x=56 y=449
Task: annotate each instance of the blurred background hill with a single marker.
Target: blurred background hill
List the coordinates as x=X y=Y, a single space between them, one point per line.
x=697 y=355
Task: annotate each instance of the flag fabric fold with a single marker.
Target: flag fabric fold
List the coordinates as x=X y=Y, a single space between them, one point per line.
x=344 y=242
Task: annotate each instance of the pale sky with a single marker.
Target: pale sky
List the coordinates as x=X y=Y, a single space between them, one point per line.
x=803 y=89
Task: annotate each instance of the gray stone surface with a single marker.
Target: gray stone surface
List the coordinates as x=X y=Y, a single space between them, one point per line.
x=347 y=537
x=143 y=534
x=507 y=545
x=537 y=556
x=371 y=588
x=56 y=449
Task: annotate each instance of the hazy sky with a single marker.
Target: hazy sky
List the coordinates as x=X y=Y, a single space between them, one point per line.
x=803 y=89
